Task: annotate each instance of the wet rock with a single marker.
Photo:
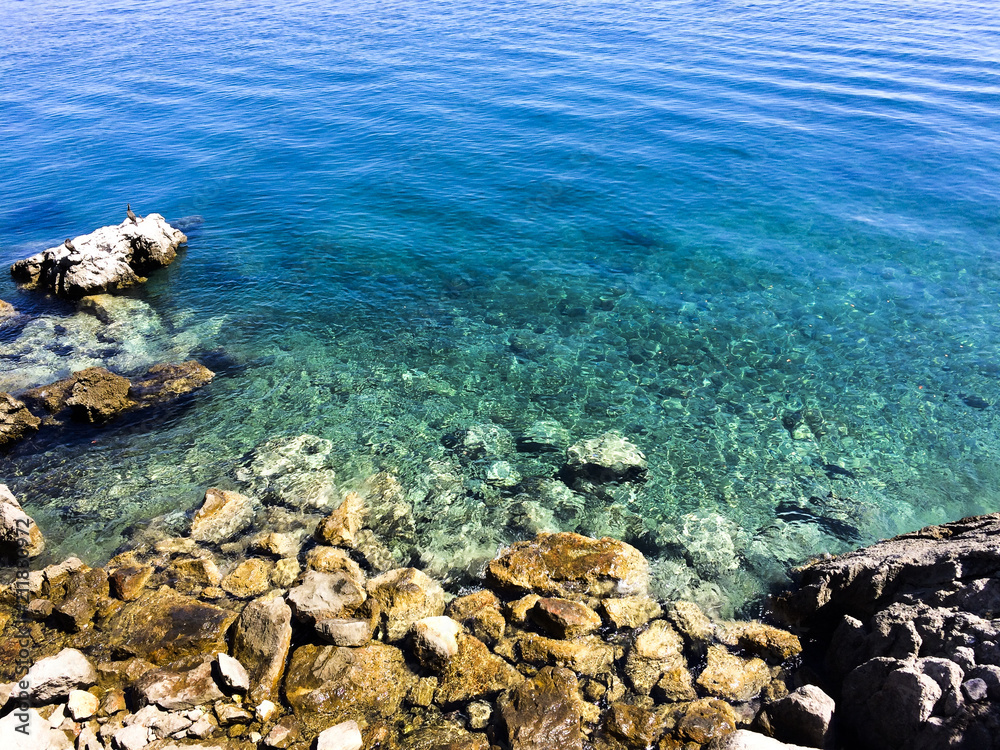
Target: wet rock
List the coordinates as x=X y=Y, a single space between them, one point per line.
x=326 y=684
x=82 y=705
x=480 y=613
x=166 y=382
x=570 y=566
x=162 y=626
x=86 y=590
x=472 y=673
x=803 y=717
x=445 y=735
x=332 y=560
x=480 y=713
x=422 y=691
x=191 y=574
x=325 y=596
x=19 y=535
x=108 y=259
x=656 y=649
x=276 y=544
x=631 y=611
x=405 y=595
x=54 y=677
x=563 y=618
x=343 y=736
x=675 y=684
x=759 y=639
x=285 y=572
x=128 y=583
x=248 y=579
x=16 y=422
x=7 y=310
x=692 y=623
x=261 y=639
x=634 y=725
x=221 y=516
x=94 y=395
x=608 y=458
x=340 y=528
x=706 y=720
x=231 y=674
x=586 y=656
x=179 y=688
x=542 y=713
x=345 y=631
x=435 y=640
x=733 y=677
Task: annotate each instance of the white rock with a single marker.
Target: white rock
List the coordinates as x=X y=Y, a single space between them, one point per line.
x=435 y=639
x=201 y=728
x=743 y=739
x=82 y=705
x=134 y=737
x=56 y=676
x=265 y=711
x=57 y=717
x=232 y=673
x=343 y=736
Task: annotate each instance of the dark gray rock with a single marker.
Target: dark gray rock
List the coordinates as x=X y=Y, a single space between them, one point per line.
x=803 y=717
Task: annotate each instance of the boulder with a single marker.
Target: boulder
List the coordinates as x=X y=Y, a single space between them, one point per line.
x=435 y=640
x=55 y=677
x=128 y=582
x=405 y=595
x=636 y=726
x=222 y=515
x=542 y=713
x=761 y=640
x=631 y=611
x=706 y=720
x=94 y=395
x=473 y=672
x=82 y=705
x=803 y=717
x=340 y=528
x=563 y=618
x=248 y=579
x=86 y=590
x=655 y=650
x=692 y=623
x=608 y=458
x=569 y=566
x=324 y=596
x=732 y=677
x=231 y=674
x=187 y=685
x=480 y=613
x=19 y=535
x=261 y=639
x=343 y=736
x=108 y=259
x=445 y=735
x=16 y=422
x=167 y=382
x=345 y=631
x=588 y=655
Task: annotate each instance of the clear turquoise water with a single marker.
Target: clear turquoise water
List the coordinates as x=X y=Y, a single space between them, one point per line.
x=707 y=225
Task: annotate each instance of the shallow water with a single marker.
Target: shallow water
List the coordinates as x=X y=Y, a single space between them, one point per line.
x=758 y=239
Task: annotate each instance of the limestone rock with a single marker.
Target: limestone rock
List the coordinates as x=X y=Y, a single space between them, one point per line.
x=405 y=595
x=19 y=535
x=333 y=560
x=480 y=613
x=656 y=649
x=221 y=516
x=343 y=736
x=345 y=631
x=179 y=688
x=759 y=639
x=324 y=596
x=733 y=677
x=261 y=639
x=563 y=618
x=54 y=677
x=675 y=684
x=631 y=611
x=108 y=259
x=435 y=640
x=340 y=528
x=542 y=713
x=608 y=458
x=706 y=720
x=231 y=674
x=692 y=623
x=16 y=422
x=803 y=717
x=82 y=705
x=276 y=544
x=248 y=579
x=472 y=673
x=570 y=566
x=634 y=725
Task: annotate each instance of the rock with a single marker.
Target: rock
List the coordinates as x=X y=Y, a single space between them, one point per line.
x=542 y=713
x=248 y=579
x=608 y=458
x=127 y=583
x=265 y=711
x=16 y=422
x=803 y=717
x=276 y=544
x=743 y=739
x=7 y=310
x=221 y=516
x=435 y=640
x=675 y=684
x=473 y=673
x=332 y=560
x=761 y=640
x=27 y=730
x=325 y=596
x=631 y=611
x=163 y=626
x=284 y=733
x=634 y=725
x=180 y=688
x=343 y=736
x=82 y=705
x=733 y=677
x=108 y=259
x=167 y=382
x=480 y=613
x=340 y=528
x=261 y=639
x=18 y=533
x=86 y=590
x=706 y=720
x=569 y=566
x=975 y=690
x=563 y=618
x=162 y=723
x=422 y=692
x=54 y=677
x=295 y=472
x=333 y=683
x=405 y=595
x=345 y=631
x=692 y=623
x=480 y=713
x=586 y=656
x=285 y=572
x=656 y=649
x=94 y=395
x=231 y=674
x=229 y=714
x=134 y=737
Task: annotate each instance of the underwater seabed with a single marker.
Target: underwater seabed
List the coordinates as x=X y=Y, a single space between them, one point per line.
x=782 y=419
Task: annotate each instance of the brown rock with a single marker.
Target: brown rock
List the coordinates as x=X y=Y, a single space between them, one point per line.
x=761 y=640
x=692 y=623
x=587 y=656
x=248 y=579
x=422 y=692
x=261 y=640
x=97 y=395
x=631 y=611
x=676 y=684
x=405 y=595
x=16 y=422
x=127 y=583
x=162 y=626
x=563 y=618
x=656 y=649
x=733 y=677
x=473 y=673
x=519 y=610
x=85 y=591
x=634 y=725
x=345 y=631
x=333 y=560
x=569 y=566
x=325 y=596
x=341 y=527
x=286 y=731
x=446 y=735
x=705 y=720
x=7 y=310
x=327 y=684
x=189 y=574
x=276 y=544
x=166 y=382
x=480 y=614
x=222 y=515
x=542 y=713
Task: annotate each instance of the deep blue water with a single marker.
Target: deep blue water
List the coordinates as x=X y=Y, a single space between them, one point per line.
x=758 y=239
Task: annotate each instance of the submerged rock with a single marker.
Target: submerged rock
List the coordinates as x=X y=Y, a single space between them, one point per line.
x=16 y=422
x=295 y=472
x=108 y=259
x=608 y=458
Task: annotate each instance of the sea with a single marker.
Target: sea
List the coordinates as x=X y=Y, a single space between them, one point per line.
x=439 y=242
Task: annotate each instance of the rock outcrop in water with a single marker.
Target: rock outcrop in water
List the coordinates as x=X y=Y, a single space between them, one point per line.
x=911 y=631
x=110 y=258
x=16 y=422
